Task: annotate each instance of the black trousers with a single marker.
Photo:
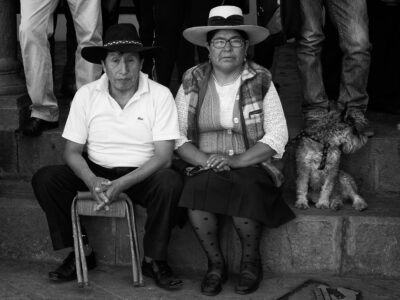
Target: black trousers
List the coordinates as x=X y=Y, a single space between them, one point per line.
x=56 y=186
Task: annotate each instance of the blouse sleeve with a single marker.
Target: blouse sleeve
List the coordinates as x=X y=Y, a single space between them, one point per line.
x=275 y=127
x=182 y=107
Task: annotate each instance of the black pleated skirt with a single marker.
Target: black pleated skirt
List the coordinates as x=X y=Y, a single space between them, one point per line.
x=246 y=192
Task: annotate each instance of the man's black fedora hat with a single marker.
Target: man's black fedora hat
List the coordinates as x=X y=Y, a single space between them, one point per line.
x=121 y=38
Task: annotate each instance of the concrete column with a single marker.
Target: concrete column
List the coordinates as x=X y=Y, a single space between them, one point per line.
x=12 y=84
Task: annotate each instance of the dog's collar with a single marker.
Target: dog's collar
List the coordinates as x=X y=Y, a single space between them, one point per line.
x=305 y=134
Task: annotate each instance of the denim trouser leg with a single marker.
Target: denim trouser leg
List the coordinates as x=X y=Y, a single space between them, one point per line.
x=351 y=19
x=309 y=56
x=35 y=28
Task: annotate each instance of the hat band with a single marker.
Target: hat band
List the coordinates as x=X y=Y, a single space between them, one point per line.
x=233 y=20
x=123 y=42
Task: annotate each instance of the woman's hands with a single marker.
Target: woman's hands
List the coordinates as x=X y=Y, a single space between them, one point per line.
x=218 y=162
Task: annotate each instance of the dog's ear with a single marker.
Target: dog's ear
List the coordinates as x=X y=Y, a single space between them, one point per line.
x=354 y=142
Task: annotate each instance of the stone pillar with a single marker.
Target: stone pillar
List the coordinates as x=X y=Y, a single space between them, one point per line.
x=12 y=85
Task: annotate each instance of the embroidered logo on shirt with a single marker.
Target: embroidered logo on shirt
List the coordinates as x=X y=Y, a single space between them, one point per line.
x=140 y=118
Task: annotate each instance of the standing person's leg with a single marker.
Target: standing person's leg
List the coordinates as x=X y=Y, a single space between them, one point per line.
x=109 y=13
x=331 y=57
x=264 y=51
x=35 y=29
x=159 y=194
x=88 y=27
x=68 y=86
x=186 y=50
x=169 y=18
x=309 y=58
x=351 y=19
x=199 y=16
x=145 y=18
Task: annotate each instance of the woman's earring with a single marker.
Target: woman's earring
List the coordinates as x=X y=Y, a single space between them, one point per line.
x=209 y=58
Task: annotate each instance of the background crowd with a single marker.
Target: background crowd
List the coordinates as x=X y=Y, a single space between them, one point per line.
x=335 y=58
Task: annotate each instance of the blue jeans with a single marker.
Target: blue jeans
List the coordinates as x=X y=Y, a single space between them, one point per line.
x=351 y=19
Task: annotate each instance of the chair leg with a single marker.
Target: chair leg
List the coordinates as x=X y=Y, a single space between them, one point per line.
x=76 y=243
x=135 y=266
x=134 y=244
x=82 y=252
x=135 y=239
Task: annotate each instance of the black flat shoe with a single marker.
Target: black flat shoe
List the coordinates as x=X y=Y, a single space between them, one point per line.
x=35 y=126
x=250 y=277
x=211 y=284
x=162 y=274
x=67 y=270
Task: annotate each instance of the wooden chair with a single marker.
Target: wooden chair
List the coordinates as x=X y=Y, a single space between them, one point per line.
x=84 y=204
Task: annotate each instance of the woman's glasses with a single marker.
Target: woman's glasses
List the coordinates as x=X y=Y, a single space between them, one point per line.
x=221 y=43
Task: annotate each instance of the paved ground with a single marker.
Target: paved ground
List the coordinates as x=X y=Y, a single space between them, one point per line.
x=28 y=280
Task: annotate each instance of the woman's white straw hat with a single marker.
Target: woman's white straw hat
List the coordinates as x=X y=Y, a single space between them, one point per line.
x=225 y=17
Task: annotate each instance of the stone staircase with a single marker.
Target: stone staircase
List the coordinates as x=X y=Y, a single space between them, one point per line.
x=344 y=242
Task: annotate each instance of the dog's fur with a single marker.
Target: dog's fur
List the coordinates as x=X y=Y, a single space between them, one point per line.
x=328 y=187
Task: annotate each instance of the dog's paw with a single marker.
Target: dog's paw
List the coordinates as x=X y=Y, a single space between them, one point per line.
x=360 y=205
x=322 y=205
x=301 y=205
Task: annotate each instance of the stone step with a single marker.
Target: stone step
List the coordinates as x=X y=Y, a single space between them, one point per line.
x=375 y=167
x=344 y=242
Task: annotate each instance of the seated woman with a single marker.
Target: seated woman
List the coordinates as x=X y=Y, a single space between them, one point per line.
x=231 y=120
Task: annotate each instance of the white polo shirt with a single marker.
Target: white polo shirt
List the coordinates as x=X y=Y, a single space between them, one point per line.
x=118 y=137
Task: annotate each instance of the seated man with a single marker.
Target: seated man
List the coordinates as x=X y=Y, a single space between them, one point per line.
x=128 y=123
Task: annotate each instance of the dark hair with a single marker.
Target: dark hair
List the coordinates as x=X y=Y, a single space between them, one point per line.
x=211 y=34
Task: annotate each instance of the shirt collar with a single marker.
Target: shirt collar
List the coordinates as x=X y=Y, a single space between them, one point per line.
x=247 y=72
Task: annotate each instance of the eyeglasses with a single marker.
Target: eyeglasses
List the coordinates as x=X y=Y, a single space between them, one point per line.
x=221 y=43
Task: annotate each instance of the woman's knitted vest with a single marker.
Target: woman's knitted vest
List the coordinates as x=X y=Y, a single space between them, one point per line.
x=247 y=116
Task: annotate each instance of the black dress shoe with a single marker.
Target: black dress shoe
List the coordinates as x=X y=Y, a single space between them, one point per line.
x=211 y=284
x=250 y=277
x=67 y=270
x=35 y=126
x=162 y=274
